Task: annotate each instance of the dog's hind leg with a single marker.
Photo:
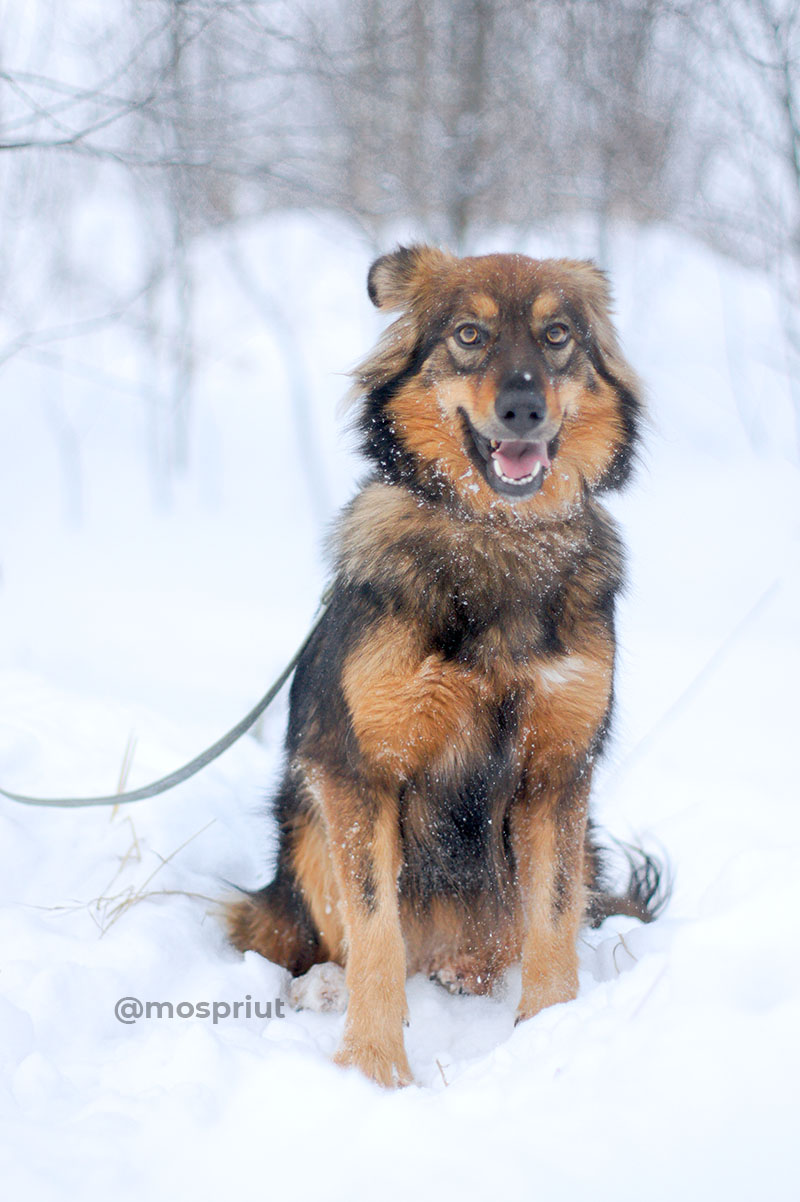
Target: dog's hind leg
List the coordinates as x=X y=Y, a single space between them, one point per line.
x=294 y=921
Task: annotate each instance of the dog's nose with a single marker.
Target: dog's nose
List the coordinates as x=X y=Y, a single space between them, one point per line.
x=520 y=406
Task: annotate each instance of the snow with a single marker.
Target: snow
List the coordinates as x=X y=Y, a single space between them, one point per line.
x=673 y=1074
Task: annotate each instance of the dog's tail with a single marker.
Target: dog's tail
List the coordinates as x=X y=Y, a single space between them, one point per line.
x=646 y=894
x=276 y=923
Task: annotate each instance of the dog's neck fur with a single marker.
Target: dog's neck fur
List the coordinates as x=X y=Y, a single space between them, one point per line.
x=388 y=521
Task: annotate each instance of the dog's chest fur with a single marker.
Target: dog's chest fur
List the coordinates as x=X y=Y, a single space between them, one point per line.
x=457 y=620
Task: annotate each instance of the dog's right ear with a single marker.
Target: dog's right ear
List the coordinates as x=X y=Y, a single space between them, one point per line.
x=396 y=279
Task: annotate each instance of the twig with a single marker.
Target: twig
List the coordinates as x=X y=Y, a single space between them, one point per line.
x=141 y=892
x=621 y=940
x=124 y=772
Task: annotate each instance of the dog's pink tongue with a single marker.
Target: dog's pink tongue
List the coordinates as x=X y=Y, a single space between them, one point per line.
x=518 y=459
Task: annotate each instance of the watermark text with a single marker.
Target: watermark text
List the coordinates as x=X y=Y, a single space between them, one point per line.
x=130 y=1009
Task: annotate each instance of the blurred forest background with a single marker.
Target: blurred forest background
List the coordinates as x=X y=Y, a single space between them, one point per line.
x=175 y=121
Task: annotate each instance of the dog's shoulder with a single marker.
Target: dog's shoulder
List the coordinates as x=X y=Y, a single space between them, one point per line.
x=381 y=521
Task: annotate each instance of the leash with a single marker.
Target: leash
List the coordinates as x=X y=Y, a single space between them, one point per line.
x=200 y=761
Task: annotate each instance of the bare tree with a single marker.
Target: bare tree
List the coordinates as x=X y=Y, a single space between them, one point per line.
x=164 y=116
x=744 y=59
x=451 y=115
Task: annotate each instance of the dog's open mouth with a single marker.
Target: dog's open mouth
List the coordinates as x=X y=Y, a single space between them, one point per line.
x=519 y=462
x=513 y=467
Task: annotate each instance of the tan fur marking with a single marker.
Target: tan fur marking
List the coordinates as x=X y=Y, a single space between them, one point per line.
x=546 y=307
x=482 y=306
x=567 y=398
x=409 y=710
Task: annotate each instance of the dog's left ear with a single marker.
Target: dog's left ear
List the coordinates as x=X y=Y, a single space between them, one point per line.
x=396 y=280
x=597 y=303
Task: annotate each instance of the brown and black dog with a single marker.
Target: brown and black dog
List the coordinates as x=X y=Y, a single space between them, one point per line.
x=447 y=712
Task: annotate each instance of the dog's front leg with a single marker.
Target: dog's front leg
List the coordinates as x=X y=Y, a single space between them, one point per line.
x=364 y=843
x=549 y=832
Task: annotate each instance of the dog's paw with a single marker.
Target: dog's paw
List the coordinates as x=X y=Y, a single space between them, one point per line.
x=322 y=989
x=543 y=993
x=387 y=1066
x=462 y=977
x=453 y=982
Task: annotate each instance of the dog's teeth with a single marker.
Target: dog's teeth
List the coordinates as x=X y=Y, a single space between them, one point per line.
x=494 y=444
x=537 y=467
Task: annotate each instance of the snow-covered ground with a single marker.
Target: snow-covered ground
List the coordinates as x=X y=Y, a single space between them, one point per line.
x=674 y=1073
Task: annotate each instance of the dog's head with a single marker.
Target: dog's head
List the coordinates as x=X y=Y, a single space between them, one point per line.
x=501 y=381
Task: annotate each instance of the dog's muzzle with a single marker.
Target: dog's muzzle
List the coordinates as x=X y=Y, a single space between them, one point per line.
x=513 y=467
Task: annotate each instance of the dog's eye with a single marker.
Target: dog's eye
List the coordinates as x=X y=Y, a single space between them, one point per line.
x=557 y=334
x=469 y=335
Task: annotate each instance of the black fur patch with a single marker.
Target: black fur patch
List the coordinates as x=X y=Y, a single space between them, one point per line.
x=454 y=825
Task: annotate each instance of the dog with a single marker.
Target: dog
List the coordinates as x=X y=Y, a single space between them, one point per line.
x=446 y=715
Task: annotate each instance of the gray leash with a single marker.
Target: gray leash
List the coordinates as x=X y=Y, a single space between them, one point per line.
x=199 y=762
